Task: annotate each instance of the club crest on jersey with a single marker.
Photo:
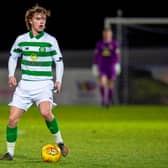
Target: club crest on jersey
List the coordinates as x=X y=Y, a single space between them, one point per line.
x=106 y=52
x=33 y=57
x=42 y=49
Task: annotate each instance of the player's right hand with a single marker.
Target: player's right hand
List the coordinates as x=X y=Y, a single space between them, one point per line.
x=57 y=86
x=95 y=70
x=12 y=81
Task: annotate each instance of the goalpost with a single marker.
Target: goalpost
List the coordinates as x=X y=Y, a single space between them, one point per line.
x=119 y=23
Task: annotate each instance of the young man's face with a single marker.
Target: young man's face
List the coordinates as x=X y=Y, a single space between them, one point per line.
x=38 y=22
x=107 y=35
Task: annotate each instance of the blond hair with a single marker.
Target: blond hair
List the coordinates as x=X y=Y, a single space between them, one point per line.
x=35 y=9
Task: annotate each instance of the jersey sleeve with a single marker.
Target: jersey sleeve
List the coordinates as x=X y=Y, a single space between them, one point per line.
x=96 y=54
x=58 y=59
x=56 y=50
x=16 y=51
x=117 y=52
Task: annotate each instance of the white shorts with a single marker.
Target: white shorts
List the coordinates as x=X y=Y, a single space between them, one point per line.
x=29 y=92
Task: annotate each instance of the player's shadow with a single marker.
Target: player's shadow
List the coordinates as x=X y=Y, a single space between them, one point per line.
x=21 y=159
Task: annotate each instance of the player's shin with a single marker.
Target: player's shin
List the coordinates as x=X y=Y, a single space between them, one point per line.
x=110 y=95
x=102 y=94
x=11 y=139
x=54 y=129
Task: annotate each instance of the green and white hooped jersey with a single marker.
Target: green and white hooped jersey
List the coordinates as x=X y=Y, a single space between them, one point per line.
x=38 y=53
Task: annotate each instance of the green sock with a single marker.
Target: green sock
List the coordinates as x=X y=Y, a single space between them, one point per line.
x=53 y=126
x=11 y=134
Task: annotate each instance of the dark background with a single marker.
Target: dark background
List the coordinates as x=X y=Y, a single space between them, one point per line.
x=76 y=24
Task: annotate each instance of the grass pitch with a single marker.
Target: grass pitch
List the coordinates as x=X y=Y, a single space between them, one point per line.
x=118 y=137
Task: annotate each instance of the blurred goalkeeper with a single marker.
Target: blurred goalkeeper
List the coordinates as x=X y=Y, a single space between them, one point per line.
x=106 y=65
x=38 y=50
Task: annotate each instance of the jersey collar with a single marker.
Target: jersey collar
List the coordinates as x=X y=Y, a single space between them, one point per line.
x=38 y=36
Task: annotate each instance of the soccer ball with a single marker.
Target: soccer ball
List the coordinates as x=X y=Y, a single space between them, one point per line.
x=51 y=153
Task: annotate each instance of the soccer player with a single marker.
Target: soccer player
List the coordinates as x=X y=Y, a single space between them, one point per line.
x=37 y=50
x=106 y=65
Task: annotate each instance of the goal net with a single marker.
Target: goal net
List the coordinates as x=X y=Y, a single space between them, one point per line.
x=144 y=59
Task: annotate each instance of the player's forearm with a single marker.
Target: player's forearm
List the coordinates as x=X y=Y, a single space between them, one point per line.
x=118 y=55
x=12 y=63
x=95 y=59
x=59 y=71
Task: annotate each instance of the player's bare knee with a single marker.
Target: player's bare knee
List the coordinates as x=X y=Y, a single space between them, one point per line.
x=47 y=114
x=12 y=121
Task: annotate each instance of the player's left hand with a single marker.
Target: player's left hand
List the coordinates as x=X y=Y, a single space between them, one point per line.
x=118 y=68
x=57 y=86
x=12 y=81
